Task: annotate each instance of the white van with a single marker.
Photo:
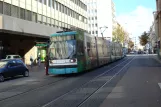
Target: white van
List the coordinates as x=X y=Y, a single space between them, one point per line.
x=13 y=57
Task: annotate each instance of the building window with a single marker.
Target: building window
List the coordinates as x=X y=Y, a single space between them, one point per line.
x=1 y=7
x=53 y=22
x=66 y=25
x=56 y=4
x=34 y=17
x=40 y=1
x=59 y=5
x=69 y=27
x=44 y=19
x=61 y=8
x=92 y=32
x=48 y=20
x=15 y=11
x=56 y=22
x=7 y=9
x=49 y=3
x=96 y=24
x=28 y=15
x=65 y=10
x=60 y=24
x=96 y=32
x=45 y=2
x=85 y=20
x=96 y=18
x=53 y=3
x=69 y=12
x=39 y=18
x=63 y=24
x=22 y=13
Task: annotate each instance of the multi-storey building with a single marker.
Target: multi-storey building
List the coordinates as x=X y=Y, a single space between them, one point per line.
x=114 y=22
x=35 y=20
x=101 y=17
x=157 y=22
x=152 y=39
x=92 y=16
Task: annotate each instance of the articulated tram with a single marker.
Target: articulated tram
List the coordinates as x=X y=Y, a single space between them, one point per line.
x=77 y=51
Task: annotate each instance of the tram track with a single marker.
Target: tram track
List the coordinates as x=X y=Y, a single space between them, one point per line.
x=41 y=86
x=49 y=84
x=29 y=90
x=21 y=86
x=102 y=74
x=85 y=100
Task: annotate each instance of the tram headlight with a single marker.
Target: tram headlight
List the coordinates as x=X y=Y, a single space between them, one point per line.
x=73 y=60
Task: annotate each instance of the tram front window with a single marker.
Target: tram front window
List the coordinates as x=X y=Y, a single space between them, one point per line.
x=63 y=49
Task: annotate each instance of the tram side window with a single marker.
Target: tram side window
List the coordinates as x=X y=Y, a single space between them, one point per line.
x=89 y=49
x=80 y=48
x=1 y=7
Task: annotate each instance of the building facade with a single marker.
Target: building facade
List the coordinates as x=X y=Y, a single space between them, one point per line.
x=157 y=23
x=101 y=17
x=54 y=13
x=35 y=20
x=92 y=16
x=153 y=39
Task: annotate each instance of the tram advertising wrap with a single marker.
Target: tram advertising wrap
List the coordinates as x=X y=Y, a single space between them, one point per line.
x=77 y=51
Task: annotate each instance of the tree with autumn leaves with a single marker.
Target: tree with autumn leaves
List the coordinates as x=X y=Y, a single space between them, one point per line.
x=130 y=44
x=119 y=34
x=144 y=39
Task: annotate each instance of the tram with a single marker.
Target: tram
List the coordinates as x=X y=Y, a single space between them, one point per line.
x=77 y=51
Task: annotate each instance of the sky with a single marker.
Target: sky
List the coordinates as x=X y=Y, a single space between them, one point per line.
x=136 y=16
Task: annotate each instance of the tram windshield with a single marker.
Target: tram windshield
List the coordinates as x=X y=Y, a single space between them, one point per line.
x=62 y=49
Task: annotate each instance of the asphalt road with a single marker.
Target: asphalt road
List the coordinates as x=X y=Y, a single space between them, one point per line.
x=129 y=82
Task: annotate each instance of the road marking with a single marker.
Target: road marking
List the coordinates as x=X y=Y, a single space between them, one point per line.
x=159 y=85
x=105 y=83
x=61 y=96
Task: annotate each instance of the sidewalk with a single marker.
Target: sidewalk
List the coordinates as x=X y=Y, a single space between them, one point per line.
x=138 y=86
x=37 y=71
x=36 y=68
x=156 y=58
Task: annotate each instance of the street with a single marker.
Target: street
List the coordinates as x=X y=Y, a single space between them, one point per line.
x=134 y=81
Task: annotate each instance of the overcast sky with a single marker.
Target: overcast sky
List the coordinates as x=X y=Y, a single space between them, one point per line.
x=135 y=15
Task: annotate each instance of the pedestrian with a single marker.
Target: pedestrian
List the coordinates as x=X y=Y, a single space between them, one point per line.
x=31 y=60
x=39 y=61
x=46 y=64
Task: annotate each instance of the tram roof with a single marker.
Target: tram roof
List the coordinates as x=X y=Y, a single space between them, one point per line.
x=64 y=33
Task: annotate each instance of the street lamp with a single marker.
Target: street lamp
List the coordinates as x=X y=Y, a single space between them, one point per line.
x=105 y=27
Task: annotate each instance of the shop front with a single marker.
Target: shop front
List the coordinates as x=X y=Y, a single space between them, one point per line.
x=41 y=51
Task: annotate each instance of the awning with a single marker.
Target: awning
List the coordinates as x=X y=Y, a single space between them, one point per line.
x=43 y=45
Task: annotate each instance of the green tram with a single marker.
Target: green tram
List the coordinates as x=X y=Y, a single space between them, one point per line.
x=77 y=51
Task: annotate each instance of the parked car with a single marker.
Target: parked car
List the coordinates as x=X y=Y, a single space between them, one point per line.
x=13 y=57
x=132 y=52
x=11 y=68
x=139 y=52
